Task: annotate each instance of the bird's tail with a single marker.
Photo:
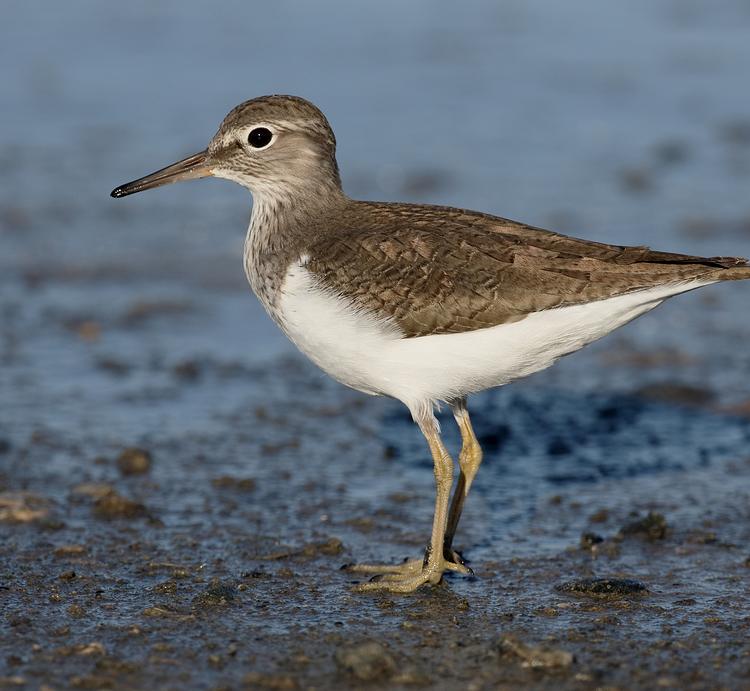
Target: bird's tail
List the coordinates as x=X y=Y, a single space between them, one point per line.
x=733 y=268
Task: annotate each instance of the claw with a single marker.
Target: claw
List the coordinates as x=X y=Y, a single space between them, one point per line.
x=456 y=562
x=410 y=574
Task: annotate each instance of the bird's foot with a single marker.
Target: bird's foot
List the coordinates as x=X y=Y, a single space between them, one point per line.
x=450 y=555
x=410 y=574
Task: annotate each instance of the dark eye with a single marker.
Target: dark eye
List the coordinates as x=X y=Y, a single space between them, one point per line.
x=259 y=137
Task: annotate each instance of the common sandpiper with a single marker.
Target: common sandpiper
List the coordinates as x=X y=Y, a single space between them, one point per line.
x=426 y=304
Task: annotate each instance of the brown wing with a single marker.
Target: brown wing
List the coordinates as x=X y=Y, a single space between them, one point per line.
x=478 y=271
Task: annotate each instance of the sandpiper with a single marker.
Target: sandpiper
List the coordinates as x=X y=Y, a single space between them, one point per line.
x=426 y=304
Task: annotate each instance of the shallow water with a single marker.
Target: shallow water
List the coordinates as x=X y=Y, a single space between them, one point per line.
x=129 y=323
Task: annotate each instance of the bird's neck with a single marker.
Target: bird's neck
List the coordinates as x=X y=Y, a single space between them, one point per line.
x=283 y=222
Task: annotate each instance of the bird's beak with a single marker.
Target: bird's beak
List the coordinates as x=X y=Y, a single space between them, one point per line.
x=190 y=168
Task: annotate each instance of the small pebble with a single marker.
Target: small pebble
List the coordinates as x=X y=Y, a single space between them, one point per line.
x=257 y=680
x=605 y=588
x=535 y=656
x=70 y=550
x=22 y=507
x=76 y=611
x=652 y=527
x=113 y=505
x=134 y=461
x=241 y=484
x=366 y=661
x=216 y=595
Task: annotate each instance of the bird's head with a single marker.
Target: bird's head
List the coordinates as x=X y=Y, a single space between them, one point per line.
x=273 y=145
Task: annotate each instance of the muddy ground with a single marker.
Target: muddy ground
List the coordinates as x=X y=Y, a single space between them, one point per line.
x=179 y=489
x=212 y=559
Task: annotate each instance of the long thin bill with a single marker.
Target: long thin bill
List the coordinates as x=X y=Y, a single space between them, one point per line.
x=190 y=168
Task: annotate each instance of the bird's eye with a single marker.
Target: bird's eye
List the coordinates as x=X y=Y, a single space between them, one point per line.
x=259 y=137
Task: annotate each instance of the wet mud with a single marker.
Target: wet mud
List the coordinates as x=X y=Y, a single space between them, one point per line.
x=217 y=563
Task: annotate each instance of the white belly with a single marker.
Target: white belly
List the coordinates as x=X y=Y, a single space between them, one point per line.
x=371 y=355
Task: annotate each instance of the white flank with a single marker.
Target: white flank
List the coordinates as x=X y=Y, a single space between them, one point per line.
x=371 y=355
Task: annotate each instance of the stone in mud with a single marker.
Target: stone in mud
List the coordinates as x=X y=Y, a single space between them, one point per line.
x=22 y=507
x=165 y=588
x=165 y=611
x=363 y=524
x=603 y=588
x=113 y=665
x=366 y=661
x=76 y=611
x=134 y=461
x=411 y=676
x=94 y=648
x=652 y=527
x=330 y=548
x=257 y=680
x=70 y=550
x=216 y=595
x=241 y=484
x=536 y=656
x=113 y=505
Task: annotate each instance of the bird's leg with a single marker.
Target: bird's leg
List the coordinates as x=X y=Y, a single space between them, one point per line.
x=406 y=577
x=469 y=460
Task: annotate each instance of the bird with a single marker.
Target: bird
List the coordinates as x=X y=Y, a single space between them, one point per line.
x=424 y=304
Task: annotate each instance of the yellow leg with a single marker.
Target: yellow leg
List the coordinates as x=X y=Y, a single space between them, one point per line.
x=406 y=577
x=469 y=461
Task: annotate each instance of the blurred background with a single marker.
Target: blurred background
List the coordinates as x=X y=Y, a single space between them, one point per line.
x=130 y=323
x=618 y=123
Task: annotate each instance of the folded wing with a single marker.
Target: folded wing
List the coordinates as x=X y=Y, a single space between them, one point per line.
x=436 y=270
